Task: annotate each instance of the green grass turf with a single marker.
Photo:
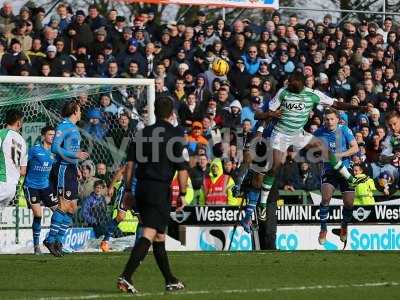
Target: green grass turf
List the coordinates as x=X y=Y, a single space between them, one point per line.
x=88 y=275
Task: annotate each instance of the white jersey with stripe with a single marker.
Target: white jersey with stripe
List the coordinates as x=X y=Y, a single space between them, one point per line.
x=13 y=155
x=296 y=108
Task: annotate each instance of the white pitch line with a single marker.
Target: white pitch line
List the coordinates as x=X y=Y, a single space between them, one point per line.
x=236 y=291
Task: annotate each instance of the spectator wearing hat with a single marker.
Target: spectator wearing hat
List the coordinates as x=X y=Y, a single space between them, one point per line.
x=96 y=127
x=282 y=66
x=226 y=37
x=375 y=119
x=79 y=32
x=179 y=59
x=131 y=54
x=240 y=77
x=200 y=91
x=115 y=30
x=217 y=186
x=100 y=41
x=232 y=115
x=199 y=41
x=196 y=134
x=53 y=61
x=20 y=33
x=249 y=112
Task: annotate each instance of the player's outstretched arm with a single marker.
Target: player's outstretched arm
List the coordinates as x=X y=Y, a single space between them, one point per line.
x=346 y=106
x=267 y=116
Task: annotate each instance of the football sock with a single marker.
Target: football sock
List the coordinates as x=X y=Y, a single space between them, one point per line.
x=110 y=229
x=252 y=196
x=67 y=222
x=323 y=216
x=266 y=188
x=347 y=216
x=138 y=254
x=337 y=165
x=162 y=261
x=36 y=227
x=56 y=221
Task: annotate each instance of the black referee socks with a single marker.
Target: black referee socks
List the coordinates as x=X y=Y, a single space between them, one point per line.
x=162 y=261
x=138 y=254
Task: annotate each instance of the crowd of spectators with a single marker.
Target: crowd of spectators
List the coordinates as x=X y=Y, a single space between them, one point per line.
x=355 y=61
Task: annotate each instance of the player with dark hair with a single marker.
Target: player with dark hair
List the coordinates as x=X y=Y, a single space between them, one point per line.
x=339 y=140
x=13 y=158
x=154 y=156
x=64 y=175
x=37 y=186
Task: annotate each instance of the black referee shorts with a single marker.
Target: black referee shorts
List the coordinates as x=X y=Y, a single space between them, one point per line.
x=153 y=204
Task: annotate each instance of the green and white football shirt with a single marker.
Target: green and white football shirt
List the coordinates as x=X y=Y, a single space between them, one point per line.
x=296 y=108
x=12 y=156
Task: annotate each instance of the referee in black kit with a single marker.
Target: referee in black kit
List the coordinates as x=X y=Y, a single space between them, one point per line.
x=154 y=155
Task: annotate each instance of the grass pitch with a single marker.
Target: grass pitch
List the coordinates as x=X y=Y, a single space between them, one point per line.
x=257 y=275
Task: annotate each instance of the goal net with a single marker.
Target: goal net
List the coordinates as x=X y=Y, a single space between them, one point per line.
x=112 y=111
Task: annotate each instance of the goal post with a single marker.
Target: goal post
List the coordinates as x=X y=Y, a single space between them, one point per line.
x=104 y=103
x=24 y=80
x=42 y=98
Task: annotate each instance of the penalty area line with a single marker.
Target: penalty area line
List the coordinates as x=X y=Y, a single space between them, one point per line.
x=233 y=291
